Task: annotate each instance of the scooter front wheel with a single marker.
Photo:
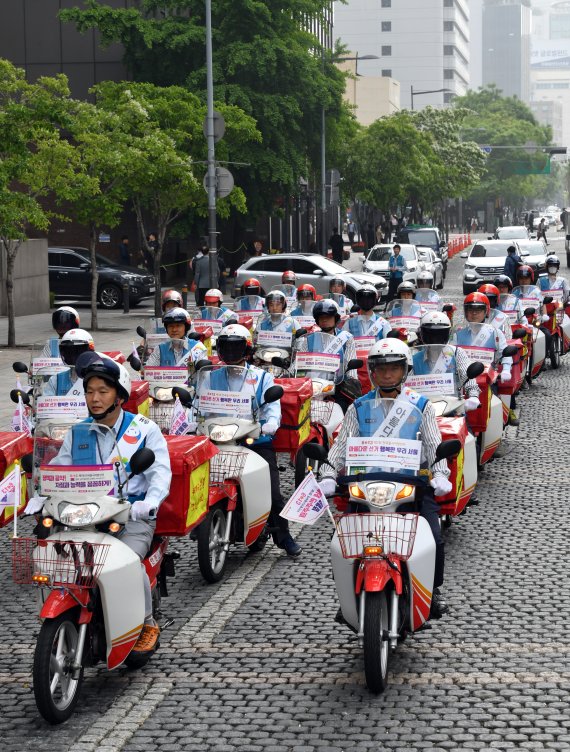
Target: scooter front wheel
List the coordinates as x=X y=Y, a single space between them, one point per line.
x=555 y=351
x=55 y=688
x=376 y=641
x=211 y=551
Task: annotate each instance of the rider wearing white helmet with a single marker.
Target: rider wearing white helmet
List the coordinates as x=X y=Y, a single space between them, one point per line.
x=425 y=280
x=388 y=366
x=552 y=281
x=107 y=387
x=214 y=299
x=72 y=345
x=235 y=346
x=62 y=320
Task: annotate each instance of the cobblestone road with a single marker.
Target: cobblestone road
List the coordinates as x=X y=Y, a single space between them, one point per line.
x=257 y=664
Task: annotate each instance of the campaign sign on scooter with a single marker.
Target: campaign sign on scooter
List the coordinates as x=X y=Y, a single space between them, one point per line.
x=272 y=338
x=392 y=455
x=307 y=504
x=484 y=355
x=305 y=322
x=48 y=366
x=216 y=325
x=364 y=342
x=50 y=407
x=61 y=479
x=405 y=322
x=435 y=383
x=310 y=361
x=154 y=340
x=216 y=402
x=166 y=374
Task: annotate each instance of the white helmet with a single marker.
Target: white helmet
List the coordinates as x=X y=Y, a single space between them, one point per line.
x=389 y=351
x=407 y=286
x=213 y=295
x=425 y=276
x=234 y=344
x=435 y=328
x=65 y=317
x=74 y=343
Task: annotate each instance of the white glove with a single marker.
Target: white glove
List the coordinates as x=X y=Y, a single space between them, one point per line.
x=35 y=504
x=472 y=403
x=328 y=486
x=544 y=318
x=505 y=375
x=143 y=510
x=269 y=428
x=440 y=485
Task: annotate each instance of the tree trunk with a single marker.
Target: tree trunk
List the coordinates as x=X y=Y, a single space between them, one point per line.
x=95 y=275
x=11 y=247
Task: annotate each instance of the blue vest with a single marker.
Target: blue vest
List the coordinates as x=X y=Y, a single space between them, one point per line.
x=267 y=325
x=167 y=356
x=369 y=419
x=84 y=446
x=465 y=337
x=355 y=326
x=219 y=381
x=64 y=383
x=423 y=368
x=315 y=343
x=53 y=343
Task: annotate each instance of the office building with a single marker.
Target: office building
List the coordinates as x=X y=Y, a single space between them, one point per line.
x=506 y=46
x=372 y=97
x=423 y=44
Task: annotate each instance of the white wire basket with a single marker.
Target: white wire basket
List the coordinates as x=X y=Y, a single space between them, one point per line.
x=394 y=533
x=161 y=414
x=227 y=466
x=321 y=411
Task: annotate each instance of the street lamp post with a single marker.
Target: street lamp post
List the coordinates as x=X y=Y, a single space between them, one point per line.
x=212 y=233
x=324 y=155
x=426 y=91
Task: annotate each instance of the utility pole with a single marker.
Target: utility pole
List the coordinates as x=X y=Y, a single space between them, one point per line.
x=211 y=175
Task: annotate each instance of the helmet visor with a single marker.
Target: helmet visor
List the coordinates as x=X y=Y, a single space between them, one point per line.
x=232 y=349
x=63 y=320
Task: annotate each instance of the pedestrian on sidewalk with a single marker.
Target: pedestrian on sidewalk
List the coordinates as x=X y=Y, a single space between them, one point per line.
x=337 y=245
x=351 y=231
x=541 y=231
x=396 y=266
x=201 y=270
x=124 y=253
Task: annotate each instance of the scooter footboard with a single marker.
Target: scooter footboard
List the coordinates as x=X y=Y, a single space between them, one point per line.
x=421 y=569
x=255 y=486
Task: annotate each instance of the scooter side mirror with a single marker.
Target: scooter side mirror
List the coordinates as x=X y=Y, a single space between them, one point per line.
x=273 y=394
x=354 y=364
x=529 y=311
x=447 y=308
x=547 y=299
x=510 y=351
x=355 y=308
x=300 y=333
x=20 y=367
x=447 y=449
x=182 y=394
x=202 y=364
x=279 y=362
x=231 y=322
x=315 y=452
x=27 y=463
x=519 y=332
x=141 y=460
x=141 y=331
x=195 y=336
x=474 y=370
x=393 y=334
x=134 y=362
x=15 y=393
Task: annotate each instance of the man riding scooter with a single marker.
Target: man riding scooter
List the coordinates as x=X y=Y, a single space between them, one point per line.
x=498 y=318
x=337 y=290
x=509 y=303
x=552 y=281
x=180 y=350
x=528 y=291
x=365 y=322
x=107 y=387
x=388 y=365
x=214 y=299
x=73 y=344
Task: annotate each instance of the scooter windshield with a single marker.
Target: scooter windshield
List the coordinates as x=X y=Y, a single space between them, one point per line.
x=529 y=297
x=250 y=303
x=404 y=314
x=167 y=354
x=319 y=357
x=275 y=331
x=429 y=300
x=389 y=439
x=290 y=292
x=509 y=305
x=434 y=370
x=226 y=391
x=477 y=341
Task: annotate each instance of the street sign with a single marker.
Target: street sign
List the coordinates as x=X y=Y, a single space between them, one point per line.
x=224 y=182
x=219 y=126
x=485 y=148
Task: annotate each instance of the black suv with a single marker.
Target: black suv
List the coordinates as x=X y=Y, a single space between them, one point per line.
x=70 y=278
x=428 y=236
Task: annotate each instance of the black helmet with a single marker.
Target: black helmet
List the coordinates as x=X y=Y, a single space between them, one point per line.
x=91 y=364
x=366 y=297
x=326 y=307
x=177 y=316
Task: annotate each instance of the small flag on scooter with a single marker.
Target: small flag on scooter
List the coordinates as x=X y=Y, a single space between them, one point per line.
x=10 y=489
x=307 y=504
x=179 y=424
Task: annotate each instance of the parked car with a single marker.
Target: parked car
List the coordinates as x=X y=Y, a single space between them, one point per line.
x=512 y=232
x=534 y=253
x=431 y=263
x=70 y=278
x=487 y=259
x=428 y=236
x=378 y=257
x=310 y=268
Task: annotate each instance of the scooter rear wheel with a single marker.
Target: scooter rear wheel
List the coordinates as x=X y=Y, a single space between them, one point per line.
x=376 y=642
x=55 y=689
x=211 y=553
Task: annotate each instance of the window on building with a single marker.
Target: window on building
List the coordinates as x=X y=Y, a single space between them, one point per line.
x=448 y=25
x=560 y=25
x=386 y=3
x=448 y=49
x=448 y=73
x=447 y=97
x=387 y=72
x=448 y=3
x=386 y=25
x=386 y=50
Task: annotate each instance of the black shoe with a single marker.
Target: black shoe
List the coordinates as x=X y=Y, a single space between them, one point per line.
x=291 y=547
x=438 y=605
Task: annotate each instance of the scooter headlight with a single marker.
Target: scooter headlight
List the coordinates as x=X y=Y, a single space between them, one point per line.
x=380 y=494
x=223 y=433
x=77 y=514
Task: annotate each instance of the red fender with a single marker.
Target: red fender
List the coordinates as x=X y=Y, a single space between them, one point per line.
x=58 y=602
x=375 y=574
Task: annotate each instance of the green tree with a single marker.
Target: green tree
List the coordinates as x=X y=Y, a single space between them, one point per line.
x=163 y=128
x=265 y=63
x=35 y=162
